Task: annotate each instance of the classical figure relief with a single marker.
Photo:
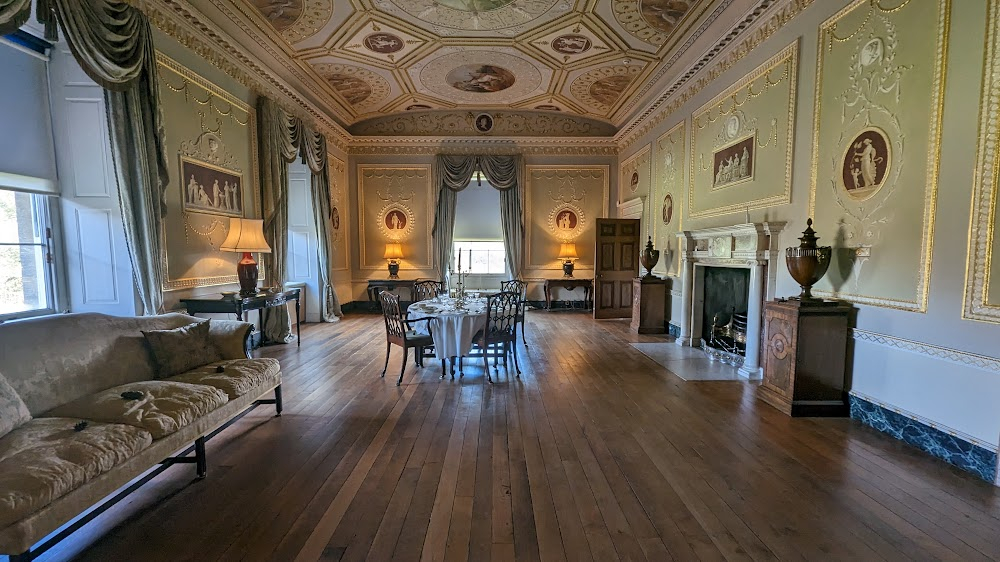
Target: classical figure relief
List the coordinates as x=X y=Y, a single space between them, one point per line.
x=633 y=182
x=664 y=15
x=866 y=163
x=396 y=221
x=608 y=90
x=335 y=218
x=566 y=221
x=211 y=189
x=480 y=78
x=734 y=163
x=354 y=89
x=383 y=43
x=571 y=44
x=484 y=122
x=667 y=210
x=282 y=14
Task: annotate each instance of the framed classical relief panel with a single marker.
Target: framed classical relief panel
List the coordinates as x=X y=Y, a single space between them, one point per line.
x=395 y=204
x=634 y=176
x=211 y=136
x=667 y=199
x=339 y=215
x=741 y=142
x=877 y=123
x=982 y=281
x=561 y=205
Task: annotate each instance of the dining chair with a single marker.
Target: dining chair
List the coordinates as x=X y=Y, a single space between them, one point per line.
x=521 y=288
x=499 y=337
x=427 y=289
x=399 y=331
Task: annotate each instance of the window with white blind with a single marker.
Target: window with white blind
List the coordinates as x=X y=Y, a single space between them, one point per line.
x=478 y=230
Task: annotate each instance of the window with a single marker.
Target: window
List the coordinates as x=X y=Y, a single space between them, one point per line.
x=480 y=257
x=25 y=255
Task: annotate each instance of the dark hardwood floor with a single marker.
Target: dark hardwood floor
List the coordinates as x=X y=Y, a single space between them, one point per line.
x=596 y=453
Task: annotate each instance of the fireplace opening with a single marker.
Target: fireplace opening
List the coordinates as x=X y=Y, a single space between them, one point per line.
x=724 y=315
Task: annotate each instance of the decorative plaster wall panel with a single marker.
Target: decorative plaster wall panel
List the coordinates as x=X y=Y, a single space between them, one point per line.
x=395 y=204
x=879 y=92
x=741 y=142
x=666 y=205
x=634 y=175
x=206 y=124
x=561 y=205
x=339 y=215
x=982 y=291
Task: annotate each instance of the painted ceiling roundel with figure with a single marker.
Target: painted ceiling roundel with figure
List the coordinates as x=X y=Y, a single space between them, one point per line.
x=608 y=60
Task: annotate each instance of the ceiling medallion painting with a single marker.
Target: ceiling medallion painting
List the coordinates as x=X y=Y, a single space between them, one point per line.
x=358 y=86
x=472 y=15
x=601 y=88
x=571 y=43
x=378 y=41
x=295 y=20
x=480 y=76
x=651 y=21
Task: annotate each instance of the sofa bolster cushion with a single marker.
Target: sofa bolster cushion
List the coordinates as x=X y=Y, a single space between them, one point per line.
x=238 y=376
x=230 y=337
x=46 y=458
x=159 y=407
x=181 y=349
x=13 y=411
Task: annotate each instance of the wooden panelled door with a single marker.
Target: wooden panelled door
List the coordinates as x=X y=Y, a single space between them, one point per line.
x=617 y=263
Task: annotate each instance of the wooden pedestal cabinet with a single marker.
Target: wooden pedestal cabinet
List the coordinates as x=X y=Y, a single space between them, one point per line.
x=648 y=305
x=805 y=355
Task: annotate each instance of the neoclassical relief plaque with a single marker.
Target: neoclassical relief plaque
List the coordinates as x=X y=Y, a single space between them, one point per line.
x=879 y=89
x=666 y=199
x=211 y=137
x=741 y=142
x=635 y=172
x=982 y=289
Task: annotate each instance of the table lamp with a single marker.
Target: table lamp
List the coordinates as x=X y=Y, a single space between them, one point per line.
x=246 y=235
x=567 y=251
x=393 y=253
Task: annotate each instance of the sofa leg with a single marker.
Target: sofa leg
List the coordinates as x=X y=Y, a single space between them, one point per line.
x=277 y=401
x=199 y=455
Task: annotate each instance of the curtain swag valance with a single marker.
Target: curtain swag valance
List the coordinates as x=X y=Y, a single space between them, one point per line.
x=454 y=171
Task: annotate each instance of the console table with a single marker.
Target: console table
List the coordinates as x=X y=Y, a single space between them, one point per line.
x=376 y=286
x=235 y=304
x=570 y=283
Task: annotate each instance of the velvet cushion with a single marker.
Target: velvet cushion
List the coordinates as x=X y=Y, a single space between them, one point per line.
x=13 y=412
x=46 y=458
x=238 y=376
x=181 y=349
x=159 y=407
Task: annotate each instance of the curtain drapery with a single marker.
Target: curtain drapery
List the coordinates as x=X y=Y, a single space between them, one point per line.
x=113 y=43
x=282 y=138
x=13 y=14
x=452 y=173
x=314 y=149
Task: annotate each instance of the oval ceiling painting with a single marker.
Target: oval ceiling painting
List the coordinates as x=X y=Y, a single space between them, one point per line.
x=475 y=5
x=281 y=15
x=354 y=89
x=608 y=90
x=383 y=43
x=664 y=15
x=480 y=78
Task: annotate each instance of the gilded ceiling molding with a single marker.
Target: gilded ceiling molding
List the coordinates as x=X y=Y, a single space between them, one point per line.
x=505 y=123
x=674 y=97
x=434 y=145
x=187 y=28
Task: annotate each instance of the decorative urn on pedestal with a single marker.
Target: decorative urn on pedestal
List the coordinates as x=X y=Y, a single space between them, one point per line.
x=807 y=263
x=649 y=258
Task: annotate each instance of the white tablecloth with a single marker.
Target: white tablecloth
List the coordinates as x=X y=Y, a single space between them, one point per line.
x=452 y=328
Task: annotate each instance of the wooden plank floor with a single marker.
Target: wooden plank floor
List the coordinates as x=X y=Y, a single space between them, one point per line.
x=596 y=453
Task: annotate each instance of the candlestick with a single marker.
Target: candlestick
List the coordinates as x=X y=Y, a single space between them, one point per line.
x=460 y=260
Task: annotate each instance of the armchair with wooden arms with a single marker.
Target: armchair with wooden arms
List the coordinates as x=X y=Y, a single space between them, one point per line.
x=521 y=288
x=398 y=331
x=499 y=336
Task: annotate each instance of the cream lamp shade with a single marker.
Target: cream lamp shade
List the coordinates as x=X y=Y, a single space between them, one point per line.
x=245 y=235
x=393 y=251
x=567 y=251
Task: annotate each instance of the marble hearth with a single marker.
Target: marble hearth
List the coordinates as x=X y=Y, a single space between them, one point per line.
x=752 y=246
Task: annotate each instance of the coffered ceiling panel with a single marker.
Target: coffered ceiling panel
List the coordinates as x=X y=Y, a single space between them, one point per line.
x=601 y=60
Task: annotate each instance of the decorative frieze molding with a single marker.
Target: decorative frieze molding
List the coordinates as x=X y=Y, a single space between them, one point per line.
x=958 y=357
x=478 y=145
x=505 y=123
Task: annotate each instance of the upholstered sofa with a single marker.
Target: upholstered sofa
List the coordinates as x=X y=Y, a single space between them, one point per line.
x=92 y=411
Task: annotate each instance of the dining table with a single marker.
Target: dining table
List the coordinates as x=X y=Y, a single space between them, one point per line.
x=453 y=324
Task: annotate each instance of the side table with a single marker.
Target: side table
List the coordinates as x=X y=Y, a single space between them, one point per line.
x=570 y=283
x=239 y=306
x=376 y=286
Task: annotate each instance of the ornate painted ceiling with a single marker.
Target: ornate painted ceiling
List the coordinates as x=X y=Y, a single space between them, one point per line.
x=432 y=67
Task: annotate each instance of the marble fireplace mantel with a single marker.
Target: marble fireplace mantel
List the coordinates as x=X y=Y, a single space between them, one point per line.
x=752 y=246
